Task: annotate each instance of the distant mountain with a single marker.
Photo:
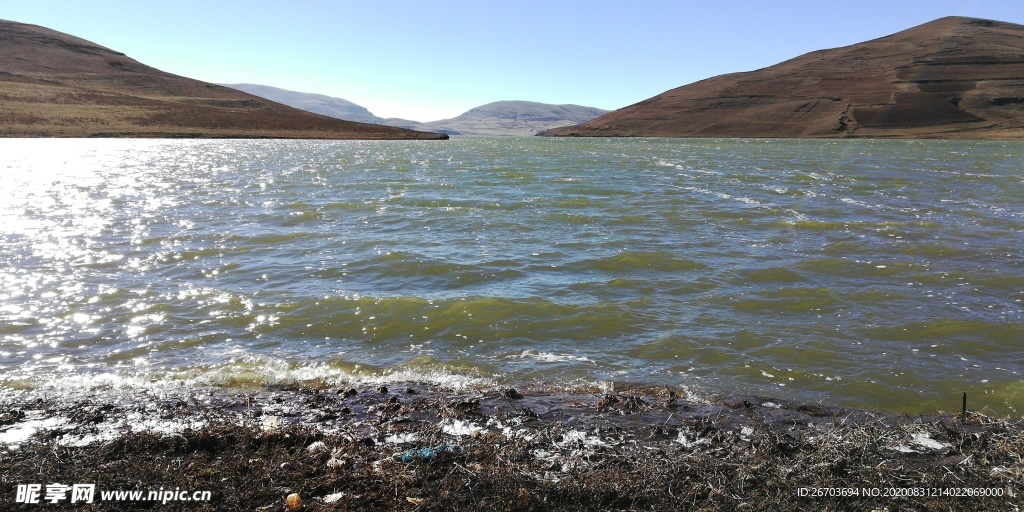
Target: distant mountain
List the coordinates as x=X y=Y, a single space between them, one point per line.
x=498 y=118
x=57 y=85
x=322 y=104
x=951 y=78
x=513 y=118
x=310 y=102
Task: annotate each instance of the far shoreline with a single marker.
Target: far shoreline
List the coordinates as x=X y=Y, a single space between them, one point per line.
x=208 y=136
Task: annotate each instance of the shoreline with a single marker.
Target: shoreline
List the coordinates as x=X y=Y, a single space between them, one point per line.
x=407 y=446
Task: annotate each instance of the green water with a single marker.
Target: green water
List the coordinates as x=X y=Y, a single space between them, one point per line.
x=883 y=274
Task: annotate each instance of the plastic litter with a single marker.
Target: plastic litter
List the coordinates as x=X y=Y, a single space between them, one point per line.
x=427 y=453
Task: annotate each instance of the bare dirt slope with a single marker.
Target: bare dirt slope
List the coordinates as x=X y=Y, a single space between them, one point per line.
x=950 y=78
x=56 y=85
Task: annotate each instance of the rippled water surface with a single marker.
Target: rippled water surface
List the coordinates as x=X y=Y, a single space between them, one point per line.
x=884 y=274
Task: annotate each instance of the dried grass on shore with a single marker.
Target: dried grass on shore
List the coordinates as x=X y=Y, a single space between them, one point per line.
x=519 y=463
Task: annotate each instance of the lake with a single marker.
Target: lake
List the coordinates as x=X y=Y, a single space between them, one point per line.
x=862 y=273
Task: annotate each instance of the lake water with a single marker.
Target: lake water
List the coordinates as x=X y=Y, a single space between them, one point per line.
x=882 y=274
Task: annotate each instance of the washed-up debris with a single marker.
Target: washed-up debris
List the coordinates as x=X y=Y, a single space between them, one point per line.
x=272 y=423
x=623 y=404
x=921 y=442
x=460 y=428
x=331 y=498
x=543 y=452
x=402 y=438
x=690 y=440
x=426 y=454
x=293 y=502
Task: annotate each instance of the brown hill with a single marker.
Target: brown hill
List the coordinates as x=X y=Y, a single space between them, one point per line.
x=950 y=78
x=56 y=85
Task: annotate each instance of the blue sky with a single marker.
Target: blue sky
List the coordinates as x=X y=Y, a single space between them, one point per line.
x=428 y=60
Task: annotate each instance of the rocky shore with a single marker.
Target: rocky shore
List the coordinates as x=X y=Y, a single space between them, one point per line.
x=416 y=446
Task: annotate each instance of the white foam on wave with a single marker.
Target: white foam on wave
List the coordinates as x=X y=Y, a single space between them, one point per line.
x=21 y=432
x=549 y=357
x=255 y=372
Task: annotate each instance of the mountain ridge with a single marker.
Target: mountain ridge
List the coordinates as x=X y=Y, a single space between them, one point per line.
x=317 y=103
x=953 y=77
x=59 y=85
x=506 y=117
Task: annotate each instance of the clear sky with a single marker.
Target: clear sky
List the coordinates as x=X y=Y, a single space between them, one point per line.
x=428 y=60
